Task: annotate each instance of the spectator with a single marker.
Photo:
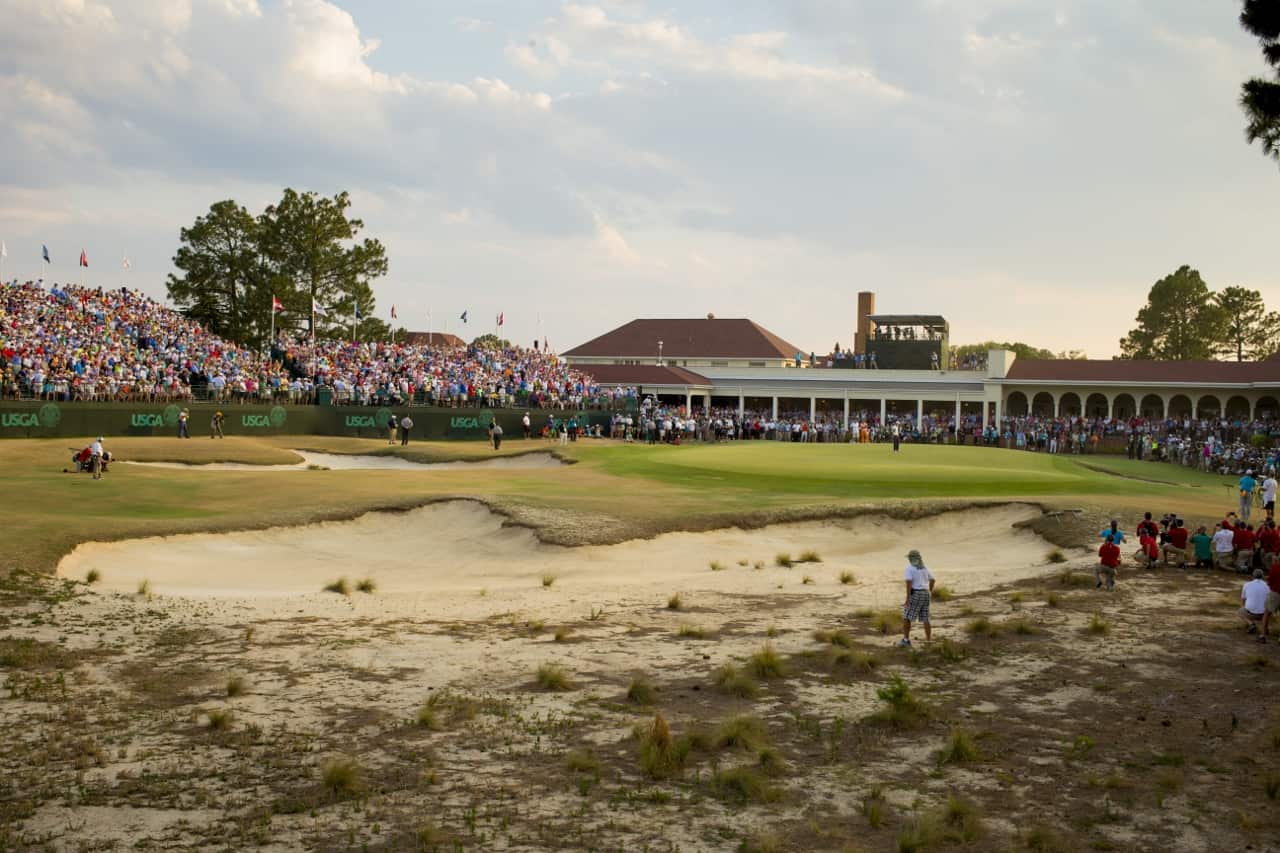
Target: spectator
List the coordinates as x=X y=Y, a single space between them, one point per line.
x=919 y=583
x=1203 y=544
x=1108 y=562
x=1177 y=544
x=1253 y=598
x=1223 y=546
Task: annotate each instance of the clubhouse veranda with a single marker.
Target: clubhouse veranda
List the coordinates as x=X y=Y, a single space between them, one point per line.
x=737 y=365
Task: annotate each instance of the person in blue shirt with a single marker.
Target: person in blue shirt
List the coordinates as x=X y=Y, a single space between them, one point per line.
x=1113 y=533
x=1247 y=485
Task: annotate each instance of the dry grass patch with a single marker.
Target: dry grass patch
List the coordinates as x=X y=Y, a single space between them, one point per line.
x=1055 y=556
x=661 y=756
x=744 y=785
x=692 y=632
x=219 y=719
x=783 y=560
x=26 y=653
x=548 y=580
x=959 y=748
x=943 y=593
x=717 y=566
x=837 y=637
x=1071 y=578
x=236 y=686
x=675 y=602
x=902 y=709
x=368 y=585
x=341 y=586
x=809 y=557
x=856 y=660
x=745 y=732
x=766 y=663
x=582 y=761
x=92 y=576
x=553 y=677
x=562 y=634
x=641 y=691
x=729 y=679
x=846 y=578
x=887 y=621
x=342 y=777
x=1098 y=625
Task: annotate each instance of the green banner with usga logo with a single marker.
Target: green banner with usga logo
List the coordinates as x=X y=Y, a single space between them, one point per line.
x=36 y=419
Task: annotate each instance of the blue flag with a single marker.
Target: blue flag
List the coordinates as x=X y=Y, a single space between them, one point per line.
x=44 y=250
x=359 y=316
x=464 y=316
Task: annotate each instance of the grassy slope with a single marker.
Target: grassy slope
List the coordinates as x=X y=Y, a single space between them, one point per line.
x=649 y=488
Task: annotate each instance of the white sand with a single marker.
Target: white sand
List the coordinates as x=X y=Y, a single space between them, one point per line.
x=436 y=560
x=353 y=462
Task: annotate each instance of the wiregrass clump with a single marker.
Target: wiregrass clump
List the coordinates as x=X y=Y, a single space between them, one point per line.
x=942 y=593
x=717 y=566
x=641 y=691
x=368 y=585
x=92 y=576
x=1098 y=625
x=783 y=560
x=729 y=679
x=547 y=580
x=675 y=602
x=691 y=632
x=959 y=748
x=1056 y=556
x=766 y=663
x=236 y=685
x=341 y=586
x=809 y=556
x=551 y=676
x=837 y=637
x=342 y=777
x=902 y=709
x=745 y=732
x=846 y=578
x=220 y=719
x=744 y=785
x=661 y=756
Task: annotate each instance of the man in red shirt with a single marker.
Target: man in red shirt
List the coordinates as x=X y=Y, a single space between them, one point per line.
x=1273 y=599
x=1243 y=542
x=1269 y=540
x=1177 y=544
x=1147 y=526
x=1147 y=552
x=1108 y=561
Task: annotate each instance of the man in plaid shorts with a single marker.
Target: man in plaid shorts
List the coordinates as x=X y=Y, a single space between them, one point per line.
x=919 y=582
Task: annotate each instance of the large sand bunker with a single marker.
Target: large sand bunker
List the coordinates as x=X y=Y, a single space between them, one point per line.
x=430 y=559
x=353 y=462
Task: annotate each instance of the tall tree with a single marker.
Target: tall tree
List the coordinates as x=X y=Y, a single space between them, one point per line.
x=219 y=270
x=1180 y=321
x=1260 y=98
x=309 y=245
x=1019 y=349
x=1248 y=330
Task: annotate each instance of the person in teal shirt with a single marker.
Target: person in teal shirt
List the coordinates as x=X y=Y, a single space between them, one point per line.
x=1247 y=485
x=1114 y=532
x=1203 y=543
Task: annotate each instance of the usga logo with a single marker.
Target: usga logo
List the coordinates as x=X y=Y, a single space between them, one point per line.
x=361 y=421
x=48 y=416
x=275 y=418
x=146 y=419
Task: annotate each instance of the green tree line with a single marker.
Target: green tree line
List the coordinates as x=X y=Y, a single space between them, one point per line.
x=302 y=250
x=1183 y=319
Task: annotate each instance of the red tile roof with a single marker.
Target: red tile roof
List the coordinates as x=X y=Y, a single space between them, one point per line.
x=688 y=338
x=443 y=339
x=642 y=374
x=1119 y=370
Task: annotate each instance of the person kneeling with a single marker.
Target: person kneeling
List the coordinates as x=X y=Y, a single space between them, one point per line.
x=1108 y=562
x=1253 y=598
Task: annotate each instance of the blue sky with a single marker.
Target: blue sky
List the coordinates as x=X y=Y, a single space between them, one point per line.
x=1027 y=169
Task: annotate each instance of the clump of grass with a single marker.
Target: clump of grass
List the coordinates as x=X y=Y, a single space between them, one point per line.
x=341 y=586
x=902 y=708
x=807 y=579
x=236 y=686
x=597 y=613
x=783 y=560
x=809 y=556
x=772 y=631
x=1098 y=625
x=144 y=589
x=717 y=566
x=771 y=762
x=961 y=819
x=855 y=659
x=1079 y=748
x=959 y=748
x=1043 y=839
x=552 y=676
x=983 y=627
x=950 y=652
x=846 y=578
x=864 y=613
x=92 y=576
x=582 y=761
x=220 y=719
x=368 y=585
x=873 y=807
x=691 y=632
x=920 y=835
x=743 y=785
x=943 y=593
x=341 y=777
x=746 y=732
x=675 y=602
x=1052 y=600
x=744 y=562
x=886 y=621
x=429 y=716
x=758 y=565
x=1015 y=598
x=535 y=625
x=1272 y=787
x=729 y=679
x=1021 y=627
x=661 y=756
x=766 y=663
x=548 y=580
x=836 y=638
x=641 y=691
x=1056 y=556
x=1070 y=578
x=562 y=634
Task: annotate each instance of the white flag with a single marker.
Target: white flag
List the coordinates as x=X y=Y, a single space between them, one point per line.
x=318 y=309
x=4 y=250
x=124 y=264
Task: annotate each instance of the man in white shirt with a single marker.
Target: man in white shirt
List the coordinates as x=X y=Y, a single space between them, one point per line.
x=95 y=458
x=1253 y=597
x=1223 y=547
x=919 y=584
x=1269 y=486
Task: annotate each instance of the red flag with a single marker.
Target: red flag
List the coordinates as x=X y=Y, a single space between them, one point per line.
x=276 y=304
x=84 y=259
x=499 y=318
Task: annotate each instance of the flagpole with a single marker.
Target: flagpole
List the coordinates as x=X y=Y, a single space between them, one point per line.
x=271 y=340
x=428 y=328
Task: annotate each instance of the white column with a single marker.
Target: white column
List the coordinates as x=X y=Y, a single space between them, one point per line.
x=1056 y=399
x=957 y=435
x=688 y=402
x=742 y=405
x=999 y=416
x=1253 y=408
x=919 y=413
x=813 y=408
x=775 y=407
x=1111 y=406
x=884 y=408
x=846 y=410
x=706 y=400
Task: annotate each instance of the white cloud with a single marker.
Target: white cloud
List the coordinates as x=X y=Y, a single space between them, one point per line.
x=472 y=25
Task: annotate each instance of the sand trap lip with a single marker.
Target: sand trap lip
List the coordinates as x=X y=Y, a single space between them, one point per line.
x=356 y=462
x=422 y=558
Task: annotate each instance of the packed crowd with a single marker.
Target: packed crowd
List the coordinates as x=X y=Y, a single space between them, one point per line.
x=74 y=343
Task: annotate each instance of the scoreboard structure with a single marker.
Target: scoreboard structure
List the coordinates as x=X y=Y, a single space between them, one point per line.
x=908 y=341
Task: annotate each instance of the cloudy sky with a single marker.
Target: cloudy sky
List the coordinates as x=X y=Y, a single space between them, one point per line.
x=1026 y=169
